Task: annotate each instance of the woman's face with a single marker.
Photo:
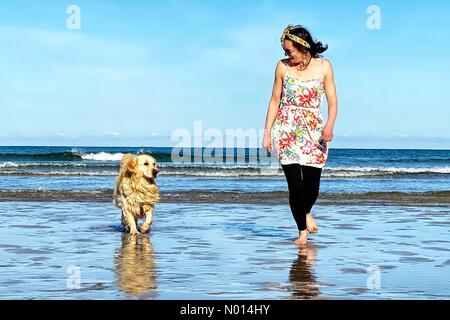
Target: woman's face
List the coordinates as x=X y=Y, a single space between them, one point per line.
x=294 y=55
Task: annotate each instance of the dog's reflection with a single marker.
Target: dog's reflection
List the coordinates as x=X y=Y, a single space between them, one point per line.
x=302 y=280
x=135 y=265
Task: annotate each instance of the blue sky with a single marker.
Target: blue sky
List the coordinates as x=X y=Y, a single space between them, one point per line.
x=137 y=71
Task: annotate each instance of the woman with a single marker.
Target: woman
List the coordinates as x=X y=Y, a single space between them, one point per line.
x=294 y=125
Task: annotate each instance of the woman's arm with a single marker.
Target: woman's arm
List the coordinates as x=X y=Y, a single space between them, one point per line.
x=274 y=104
x=330 y=92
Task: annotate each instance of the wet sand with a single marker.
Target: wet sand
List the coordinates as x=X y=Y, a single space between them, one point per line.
x=224 y=251
x=429 y=198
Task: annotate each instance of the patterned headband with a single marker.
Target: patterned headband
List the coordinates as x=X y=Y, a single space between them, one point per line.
x=292 y=37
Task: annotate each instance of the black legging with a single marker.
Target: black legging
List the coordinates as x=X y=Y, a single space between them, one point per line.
x=303 y=184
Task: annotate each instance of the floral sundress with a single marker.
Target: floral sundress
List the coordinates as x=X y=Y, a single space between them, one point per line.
x=291 y=140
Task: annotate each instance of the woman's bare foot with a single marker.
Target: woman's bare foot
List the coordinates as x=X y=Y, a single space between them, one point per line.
x=302 y=238
x=311 y=225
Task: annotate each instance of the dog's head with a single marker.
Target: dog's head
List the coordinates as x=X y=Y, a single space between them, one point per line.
x=143 y=164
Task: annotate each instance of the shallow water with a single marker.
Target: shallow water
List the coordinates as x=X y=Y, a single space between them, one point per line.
x=230 y=251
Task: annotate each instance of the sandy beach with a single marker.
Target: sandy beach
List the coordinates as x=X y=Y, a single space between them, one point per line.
x=77 y=250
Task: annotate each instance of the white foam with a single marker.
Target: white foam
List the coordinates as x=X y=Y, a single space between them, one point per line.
x=102 y=156
x=9 y=164
x=212 y=174
x=271 y=171
x=209 y=170
x=60 y=173
x=52 y=164
x=388 y=170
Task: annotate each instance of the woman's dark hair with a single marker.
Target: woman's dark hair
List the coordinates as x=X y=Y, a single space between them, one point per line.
x=316 y=47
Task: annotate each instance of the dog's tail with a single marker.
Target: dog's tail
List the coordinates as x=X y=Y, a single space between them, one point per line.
x=116 y=195
x=127 y=166
x=116 y=198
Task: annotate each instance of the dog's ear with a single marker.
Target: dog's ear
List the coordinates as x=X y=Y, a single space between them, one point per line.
x=129 y=163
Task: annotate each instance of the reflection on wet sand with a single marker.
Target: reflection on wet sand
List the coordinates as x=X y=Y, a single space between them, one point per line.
x=302 y=277
x=225 y=252
x=135 y=265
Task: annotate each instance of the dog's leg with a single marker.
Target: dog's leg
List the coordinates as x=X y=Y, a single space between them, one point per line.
x=131 y=222
x=148 y=210
x=128 y=217
x=125 y=222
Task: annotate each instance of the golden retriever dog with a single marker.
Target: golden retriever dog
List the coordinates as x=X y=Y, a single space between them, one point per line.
x=136 y=192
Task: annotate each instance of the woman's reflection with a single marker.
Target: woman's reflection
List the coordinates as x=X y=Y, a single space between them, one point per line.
x=301 y=277
x=135 y=265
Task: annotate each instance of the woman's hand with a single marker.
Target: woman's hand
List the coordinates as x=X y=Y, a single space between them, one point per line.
x=327 y=133
x=267 y=141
